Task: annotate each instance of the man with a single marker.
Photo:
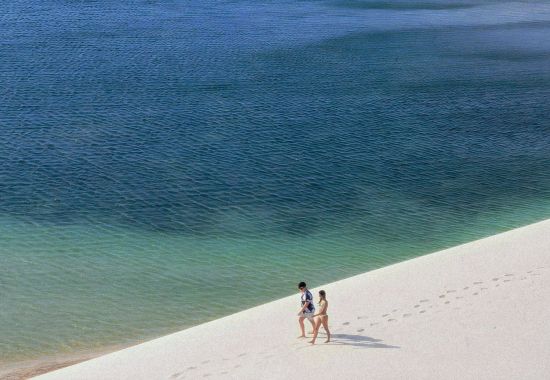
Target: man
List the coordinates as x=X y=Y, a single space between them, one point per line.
x=307 y=310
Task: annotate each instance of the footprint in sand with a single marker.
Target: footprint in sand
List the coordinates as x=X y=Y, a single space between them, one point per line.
x=360 y=330
x=241 y=355
x=224 y=373
x=424 y=300
x=237 y=366
x=508 y=274
x=447 y=302
x=206 y=361
x=459 y=297
x=374 y=323
x=206 y=375
x=345 y=323
x=466 y=288
x=407 y=315
x=478 y=282
x=362 y=317
x=385 y=315
x=476 y=293
x=422 y=311
x=392 y=320
x=415 y=306
x=394 y=310
x=451 y=291
x=175 y=375
x=442 y=296
x=496 y=278
x=497 y=285
x=190 y=368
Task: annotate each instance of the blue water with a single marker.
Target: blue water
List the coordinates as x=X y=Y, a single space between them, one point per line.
x=167 y=163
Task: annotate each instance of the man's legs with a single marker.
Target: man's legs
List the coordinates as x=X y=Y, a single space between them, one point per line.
x=302 y=328
x=312 y=322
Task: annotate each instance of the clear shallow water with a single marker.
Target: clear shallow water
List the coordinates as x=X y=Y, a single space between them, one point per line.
x=164 y=164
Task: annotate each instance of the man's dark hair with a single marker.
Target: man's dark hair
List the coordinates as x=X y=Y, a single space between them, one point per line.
x=301 y=285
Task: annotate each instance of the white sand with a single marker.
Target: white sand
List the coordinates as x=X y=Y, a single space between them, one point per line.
x=477 y=311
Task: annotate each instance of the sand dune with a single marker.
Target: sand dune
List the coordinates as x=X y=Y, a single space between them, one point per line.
x=476 y=311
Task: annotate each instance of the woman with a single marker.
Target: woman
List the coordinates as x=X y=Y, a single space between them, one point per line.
x=321 y=317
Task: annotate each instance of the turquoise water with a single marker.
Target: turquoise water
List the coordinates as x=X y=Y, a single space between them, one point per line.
x=165 y=164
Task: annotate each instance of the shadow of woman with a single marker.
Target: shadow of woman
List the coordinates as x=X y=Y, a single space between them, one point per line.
x=361 y=341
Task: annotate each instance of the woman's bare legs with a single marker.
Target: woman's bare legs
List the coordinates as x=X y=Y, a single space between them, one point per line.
x=316 y=327
x=324 y=321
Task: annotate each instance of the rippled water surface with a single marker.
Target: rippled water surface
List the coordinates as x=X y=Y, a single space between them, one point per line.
x=166 y=163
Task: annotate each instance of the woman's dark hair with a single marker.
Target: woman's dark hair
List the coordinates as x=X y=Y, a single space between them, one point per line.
x=322 y=296
x=301 y=285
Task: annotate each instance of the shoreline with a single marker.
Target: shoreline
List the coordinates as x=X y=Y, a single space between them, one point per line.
x=25 y=369
x=32 y=368
x=432 y=315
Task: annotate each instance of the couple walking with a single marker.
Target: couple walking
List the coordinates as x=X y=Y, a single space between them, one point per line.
x=307 y=311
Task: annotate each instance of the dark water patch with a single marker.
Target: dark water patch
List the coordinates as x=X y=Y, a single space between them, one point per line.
x=403 y=5
x=513 y=55
x=398 y=81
